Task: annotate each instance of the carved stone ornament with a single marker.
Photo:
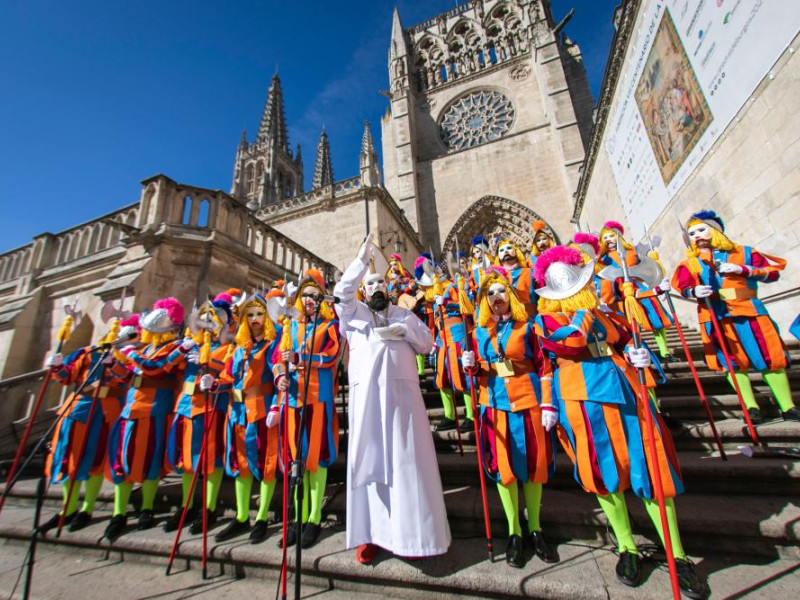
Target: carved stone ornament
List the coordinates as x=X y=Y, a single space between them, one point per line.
x=476 y=118
x=520 y=72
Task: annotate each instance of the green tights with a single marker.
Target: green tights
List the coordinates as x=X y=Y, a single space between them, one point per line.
x=449 y=405
x=660 y=336
x=509 y=497
x=778 y=383
x=213 y=484
x=122 y=495
x=243 y=487
x=91 y=490
x=313 y=493
x=616 y=511
x=420 y=364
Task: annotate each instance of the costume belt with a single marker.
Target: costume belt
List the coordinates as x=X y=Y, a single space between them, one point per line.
x=145 y=383
x=599 y=349
x=252 y=392
x=520 y=367
x=732 y=294
x=105 y=391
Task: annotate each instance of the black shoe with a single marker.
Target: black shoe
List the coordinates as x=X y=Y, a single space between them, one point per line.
x=669 y=358
x=467 y=426
x=81 y=520
x=689 y=581
x=311 y=533
x=793 y=414
x=445 y=425
x=172 y=522
x=628 y=569
x=259 y=532
x=147 y=520
x=52 y=523
x=196 y=528
x=542 y=549
x=291 y=536
x=116 y=527
x=232 y=529
x=515 y=552
x=755 y=416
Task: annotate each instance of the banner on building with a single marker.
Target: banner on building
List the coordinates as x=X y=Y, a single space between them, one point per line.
x=691 y=66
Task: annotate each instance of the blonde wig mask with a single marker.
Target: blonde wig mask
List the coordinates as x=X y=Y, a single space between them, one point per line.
x=517 y=309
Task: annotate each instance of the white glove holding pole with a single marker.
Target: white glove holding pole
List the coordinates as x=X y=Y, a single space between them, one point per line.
x=638 y=357
x=727 y=268
x=664 y=286
x=702 y=291
x=395 y=331
x=272 y=418
x=439 y=300
x=187 y=344
x=207 y=382
x=367 y=249
x=468 y=359
x=54 y=360
x=549 y=418
x=193 y=357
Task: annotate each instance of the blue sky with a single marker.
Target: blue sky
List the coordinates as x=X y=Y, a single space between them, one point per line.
x=99 y=95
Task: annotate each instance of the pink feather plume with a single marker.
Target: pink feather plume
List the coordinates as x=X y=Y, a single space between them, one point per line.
x=587 y=238
x=173 y=307
x=614 y=225
x=556 y=254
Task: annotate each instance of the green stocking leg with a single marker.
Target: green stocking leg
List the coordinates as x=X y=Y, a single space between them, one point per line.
x=509 y=497
x=243 y=486
x=73 y=501
x=616 y=511
x=778 y=382
x=532 y=492
x=90 y=491
x=420 y=364
x=660 y=336
x=672 y=520
x=265 y=499
x=447 y=402
x=213 y=483
x=149 y=489
x=468 y=406
x=306 y=501
x=318 y=479
x=747 y=390
x=186 y=483
x=122 y=495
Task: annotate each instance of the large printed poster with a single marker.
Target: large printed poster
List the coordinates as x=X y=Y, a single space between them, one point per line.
x=691 y=66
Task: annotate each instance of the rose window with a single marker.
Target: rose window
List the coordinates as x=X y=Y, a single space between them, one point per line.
x=475 y=119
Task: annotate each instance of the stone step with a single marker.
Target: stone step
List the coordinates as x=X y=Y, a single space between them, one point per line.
x=134 y=567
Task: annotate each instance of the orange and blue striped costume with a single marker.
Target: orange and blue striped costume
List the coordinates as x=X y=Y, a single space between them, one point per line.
x=753 y=339
x=523 y=282
x=138 y=439
x=63 y=460
x=611 y=293
x=450 y=342
x=601 y=418
x=186 y=433
x=320 y=440
x=516 y=446
x=250 y=446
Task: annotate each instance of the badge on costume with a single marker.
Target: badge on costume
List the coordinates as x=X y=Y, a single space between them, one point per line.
x=504 y=368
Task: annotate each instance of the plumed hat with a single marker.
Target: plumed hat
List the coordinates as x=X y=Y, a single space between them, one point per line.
x=560 y=273
x=710 y=218
x=167 y=315
x=588 y=242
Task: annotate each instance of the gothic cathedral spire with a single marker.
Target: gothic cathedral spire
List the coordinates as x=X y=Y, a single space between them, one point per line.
x=368 y=159
x=273 y=121
x=323 y=168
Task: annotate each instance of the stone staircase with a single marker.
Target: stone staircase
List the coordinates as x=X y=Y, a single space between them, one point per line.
x=739 y=518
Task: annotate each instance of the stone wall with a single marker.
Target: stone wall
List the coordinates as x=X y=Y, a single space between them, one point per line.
x=750 y=176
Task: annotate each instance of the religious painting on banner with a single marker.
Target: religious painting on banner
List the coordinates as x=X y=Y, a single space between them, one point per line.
x=672 y=104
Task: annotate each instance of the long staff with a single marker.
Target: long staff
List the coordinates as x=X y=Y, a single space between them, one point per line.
x=81 y=451
x=722 y=343
x=63 y=336
x=700 y=390
x=447 y=365
x=205 y=359
x=633 y=311
x=285 y=344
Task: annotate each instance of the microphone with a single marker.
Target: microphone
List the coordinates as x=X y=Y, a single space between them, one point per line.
x=327 y=298
x=120 y=340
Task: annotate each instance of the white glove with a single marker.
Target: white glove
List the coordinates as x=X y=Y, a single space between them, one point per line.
x=367 y=249
x=395 y=331
x=54 y=360
x=604 y=308
x=272 y=419
x=730 y=268
x=207 y=382
x=549 y=419
x=439 y=300
x=193 y=357
x=702 y=291
x=187 y=344
x=283 y=384
x=664 y=286
x=638 y=357
x=468 y=359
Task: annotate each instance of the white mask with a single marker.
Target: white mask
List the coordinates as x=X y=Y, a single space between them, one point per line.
x=374 y=282
x=700 y=231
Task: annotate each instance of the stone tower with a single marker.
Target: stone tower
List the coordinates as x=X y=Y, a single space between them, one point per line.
x=265 y=171
x=368 y=159
x=488 y=123
x=323 y=167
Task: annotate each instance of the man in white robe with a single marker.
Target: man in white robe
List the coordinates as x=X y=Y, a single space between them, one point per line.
x=394 y=491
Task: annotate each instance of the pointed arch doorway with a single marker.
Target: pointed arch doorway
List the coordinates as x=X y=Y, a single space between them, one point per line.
x=492 y=215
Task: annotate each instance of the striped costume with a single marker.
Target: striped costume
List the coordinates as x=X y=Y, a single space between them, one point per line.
x=449 y=342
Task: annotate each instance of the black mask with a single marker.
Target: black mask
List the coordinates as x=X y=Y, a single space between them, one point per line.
x=378 y=301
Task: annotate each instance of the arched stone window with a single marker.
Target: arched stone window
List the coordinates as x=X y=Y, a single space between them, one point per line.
x=202 y=214
x=186 y=217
